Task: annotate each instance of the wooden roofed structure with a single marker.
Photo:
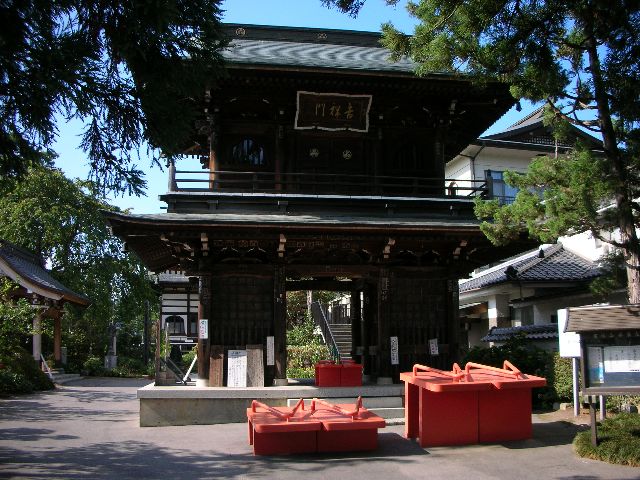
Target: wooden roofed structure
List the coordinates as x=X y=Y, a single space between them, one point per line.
x=324 y=160
x=40 y=289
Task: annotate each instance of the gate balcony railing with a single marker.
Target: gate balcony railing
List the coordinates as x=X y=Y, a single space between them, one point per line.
x=322 y=184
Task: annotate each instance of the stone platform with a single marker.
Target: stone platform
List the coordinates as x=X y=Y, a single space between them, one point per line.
x=190 y=405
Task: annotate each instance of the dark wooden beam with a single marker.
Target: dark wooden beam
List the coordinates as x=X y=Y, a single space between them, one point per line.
x=320 y=284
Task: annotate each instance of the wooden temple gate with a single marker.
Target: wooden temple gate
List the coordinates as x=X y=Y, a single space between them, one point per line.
x=324 y=163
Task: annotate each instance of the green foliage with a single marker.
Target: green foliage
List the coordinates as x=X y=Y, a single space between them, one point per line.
x=19 y=373
x=301 y=359
x=526 y=357
x=297 y=304
x=613 y=277
x=60 y=220
x=619 y=441
x=15 y=319
x=93 y=366
x=561 y=379
x=303 y=334
x=118 y=66
x=304 y=350
x=127 y=367
x=582 y=60
x=188 y=357
x=615 y=403
x=556 y=195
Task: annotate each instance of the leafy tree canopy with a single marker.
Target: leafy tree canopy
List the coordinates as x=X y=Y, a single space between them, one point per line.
x=129 y=70
x=582 y=58
x=60 y=220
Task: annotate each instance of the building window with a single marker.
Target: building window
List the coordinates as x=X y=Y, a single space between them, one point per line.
x=523 y=316
x=248 y=153
x=498 y=189
x=174 y=325
x=193 y=324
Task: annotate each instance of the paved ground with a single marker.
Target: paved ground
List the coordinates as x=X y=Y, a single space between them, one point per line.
x=89 y=429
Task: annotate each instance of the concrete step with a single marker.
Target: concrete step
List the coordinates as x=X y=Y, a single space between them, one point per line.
x=61 y=378
x=368 y=402
x=388 y=412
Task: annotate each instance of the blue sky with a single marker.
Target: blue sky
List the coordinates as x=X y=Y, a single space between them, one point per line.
x=298 y=13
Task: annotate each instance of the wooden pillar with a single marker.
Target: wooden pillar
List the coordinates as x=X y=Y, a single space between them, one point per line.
x=204 y=312
x=356 y=324
x=366 y=327
x=453 y=320
x=383 y=359
x=280 y=325
x=280 y=156
x=57 y=341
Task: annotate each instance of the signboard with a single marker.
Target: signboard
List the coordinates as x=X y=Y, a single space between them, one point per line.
x=395 y=360
x=433 y=346
x=332 y=111
x=237 y=368
x=569 y=341
x=271 y=360
x=203 y=329
x=621 y=359
x=595 y=366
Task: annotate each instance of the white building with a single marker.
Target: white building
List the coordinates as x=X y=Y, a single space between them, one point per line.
x=523 y=293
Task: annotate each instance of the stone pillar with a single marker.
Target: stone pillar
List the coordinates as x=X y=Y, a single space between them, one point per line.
x=204 y=313
x=37 y=337
x=280 y=325
x=499 y=311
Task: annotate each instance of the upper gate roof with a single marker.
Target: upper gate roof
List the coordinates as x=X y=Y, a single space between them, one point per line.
x=311 y=47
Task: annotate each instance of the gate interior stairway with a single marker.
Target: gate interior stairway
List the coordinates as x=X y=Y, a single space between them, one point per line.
x=336 y=331
x=335 y=324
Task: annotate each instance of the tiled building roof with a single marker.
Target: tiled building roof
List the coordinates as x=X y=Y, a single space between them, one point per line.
x=311 y=48
x=553 y=263
x=26 y=269
x=530 y=332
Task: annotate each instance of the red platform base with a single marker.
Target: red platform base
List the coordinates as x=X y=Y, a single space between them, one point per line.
x=324 y=428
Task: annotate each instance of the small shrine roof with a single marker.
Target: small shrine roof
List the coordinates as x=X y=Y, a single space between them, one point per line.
x=25 y=268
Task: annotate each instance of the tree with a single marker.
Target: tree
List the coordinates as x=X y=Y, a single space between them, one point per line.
x=130 y=70
x=580 y=57
x=61 y=220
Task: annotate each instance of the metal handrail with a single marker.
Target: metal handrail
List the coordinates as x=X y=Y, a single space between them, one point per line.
x=320 y=319
x=323 y=183
x=46 y=366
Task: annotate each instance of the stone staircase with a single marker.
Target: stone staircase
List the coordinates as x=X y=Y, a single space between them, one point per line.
x=342 y=335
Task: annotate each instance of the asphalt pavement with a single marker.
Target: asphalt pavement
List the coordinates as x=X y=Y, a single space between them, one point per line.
x=89 y=429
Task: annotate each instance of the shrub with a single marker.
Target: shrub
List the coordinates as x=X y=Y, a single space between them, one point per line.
x=188 y=357
x=93 y=366
x=304 y=350
x=301 y=359
x=129 y=367
x=527 y=358
x=21 y=374
x=619 y=441
x=562 y=379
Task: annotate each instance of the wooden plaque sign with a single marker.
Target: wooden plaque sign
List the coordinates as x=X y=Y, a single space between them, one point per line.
x=332 y=111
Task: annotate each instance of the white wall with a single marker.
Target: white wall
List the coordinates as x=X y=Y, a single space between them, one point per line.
x=501 y=159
